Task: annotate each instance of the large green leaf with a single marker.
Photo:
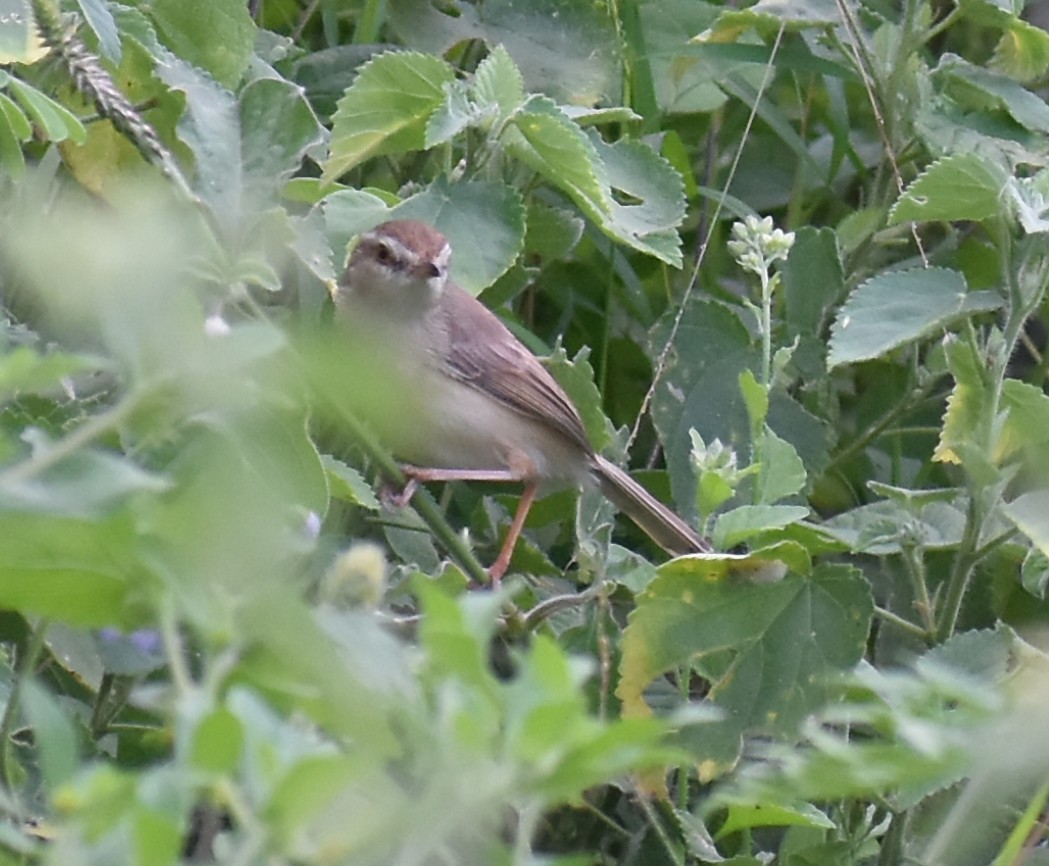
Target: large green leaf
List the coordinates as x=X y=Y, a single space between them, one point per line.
x=217 y=36
x=277 y=127
x=897 y=308
x=963 y=186
x=974 y=86
x=562 y=47
x=387 y=108
x=81 y=571
x=656 y=196
x=770 y=651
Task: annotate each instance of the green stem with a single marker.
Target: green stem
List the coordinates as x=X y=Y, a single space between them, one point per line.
x=915 y=563
x=900 y=622
x=961 y=571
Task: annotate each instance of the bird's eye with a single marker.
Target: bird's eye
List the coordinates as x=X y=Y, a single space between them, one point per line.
x=432 y=271
x=383 y=254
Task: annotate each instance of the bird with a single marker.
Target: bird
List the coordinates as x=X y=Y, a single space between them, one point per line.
x=453 y=393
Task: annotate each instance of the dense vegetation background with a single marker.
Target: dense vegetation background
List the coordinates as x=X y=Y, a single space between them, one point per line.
x=790 y=261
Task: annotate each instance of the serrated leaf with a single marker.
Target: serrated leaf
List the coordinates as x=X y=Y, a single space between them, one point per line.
x=1022 y=52
x=893 y=309
x=656 y=193
x=770 y=650
x=978 y=86
x=386 y=109
x=217 y=36
x=210 y=128
x=278 y=127
x=457 y=113
x=549 y=143
x=564 y=48
x=498 y=82
x=968 y=403
x=576 y=376
x=736 y=526
x=347 y=483
x=963 y=186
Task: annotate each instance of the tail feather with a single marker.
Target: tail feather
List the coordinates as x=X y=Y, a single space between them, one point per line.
x=663 y=526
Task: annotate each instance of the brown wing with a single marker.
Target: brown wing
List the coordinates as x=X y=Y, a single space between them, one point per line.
x=484 y=354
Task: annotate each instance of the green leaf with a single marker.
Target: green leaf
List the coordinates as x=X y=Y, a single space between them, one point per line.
x=968 y=407
x=813 y=281
x=82 y=572
x=963 y=186
x=24 y=370
x=483 y=221
x=897 y=308
x=84 y=484
x=498 y=82
x=656 y=196
x=782 y=472
x=210 y=128
x=744 y=816
x=880 y=528
x=755 y=397
x=1029 y=512
x=1034 y=572
x=102 y=24
x=55 y=121
x=457 y=113
x=770 y=651
x=767 y=16
x=278 y=127
x=14 y=129
x=386 y=109
x=577 y=378
x=217 y=36
x=18 y=38
x=736 y=526
x=1027 y=421
x=1022 y=53
x=564 y=48
x=217 y=742
x=54 y=737
x=348 y=484
x=977 y=87
x=543 y=138
x=711 y=346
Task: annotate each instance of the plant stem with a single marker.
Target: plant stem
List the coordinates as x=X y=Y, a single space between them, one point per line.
x=900 y=622
x=961 y=572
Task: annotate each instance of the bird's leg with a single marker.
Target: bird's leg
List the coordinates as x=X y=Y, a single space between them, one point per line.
x=420 y=474
x=502 y=562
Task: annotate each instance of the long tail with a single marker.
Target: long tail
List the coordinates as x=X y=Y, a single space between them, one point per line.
x=663 y=526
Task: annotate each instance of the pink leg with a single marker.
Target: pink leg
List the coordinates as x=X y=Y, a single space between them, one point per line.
x=502 y=562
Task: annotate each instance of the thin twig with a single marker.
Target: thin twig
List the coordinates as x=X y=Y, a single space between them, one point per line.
x=664 y=354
